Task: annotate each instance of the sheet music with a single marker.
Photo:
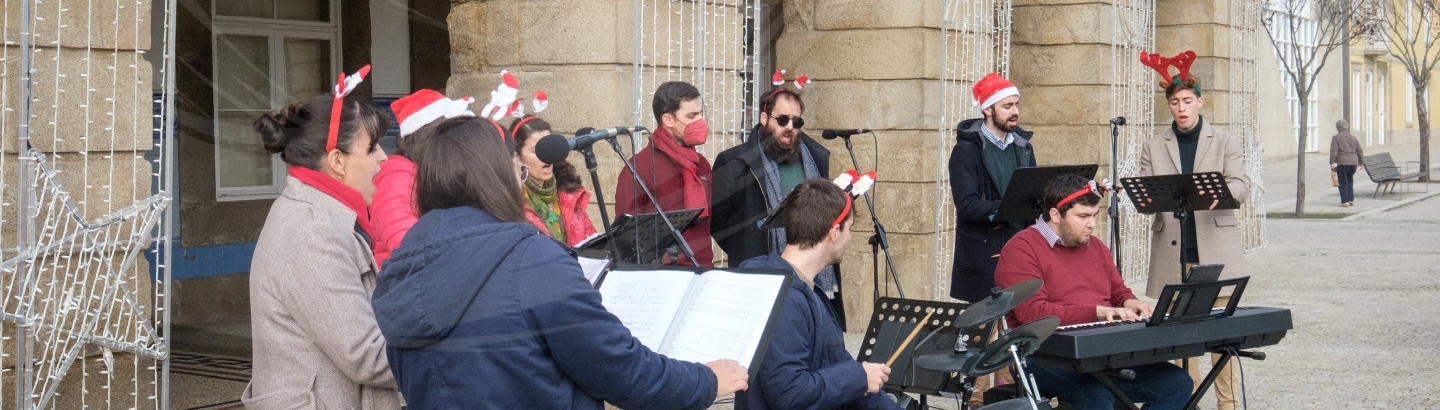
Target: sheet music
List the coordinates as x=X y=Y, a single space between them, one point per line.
x=725 y=319
x=646 y=301
x=593 y=268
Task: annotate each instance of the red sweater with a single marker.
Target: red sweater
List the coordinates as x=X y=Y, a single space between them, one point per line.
x=663 y=177
x=1076 y=279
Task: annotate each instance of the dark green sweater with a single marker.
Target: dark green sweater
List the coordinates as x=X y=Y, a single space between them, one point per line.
x=1001 y=163
x=1188 y=142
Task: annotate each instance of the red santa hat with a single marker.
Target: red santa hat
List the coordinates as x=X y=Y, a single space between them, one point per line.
x=425 y=106
x=991 y=90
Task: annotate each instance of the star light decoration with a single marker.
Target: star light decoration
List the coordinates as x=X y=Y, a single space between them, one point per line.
x=70 y=290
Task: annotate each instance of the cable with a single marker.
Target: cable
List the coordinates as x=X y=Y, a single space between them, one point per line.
x=1244 y=399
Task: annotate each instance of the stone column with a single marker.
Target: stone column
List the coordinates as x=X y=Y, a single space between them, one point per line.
x=875 y=64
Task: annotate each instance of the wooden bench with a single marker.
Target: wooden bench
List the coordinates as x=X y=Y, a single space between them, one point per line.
x=1384 y=173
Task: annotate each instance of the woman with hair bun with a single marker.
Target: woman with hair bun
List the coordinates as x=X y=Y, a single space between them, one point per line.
x=316 y=342
x=555 y=199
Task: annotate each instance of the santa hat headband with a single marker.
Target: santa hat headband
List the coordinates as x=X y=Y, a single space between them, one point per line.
x=991 y=89
x=505 y=100
x=343 y=87
x=779 y=80
x=854 y=184
x=1181 y=62
x=426 y=106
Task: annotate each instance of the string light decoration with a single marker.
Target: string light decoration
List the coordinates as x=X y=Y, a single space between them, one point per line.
x=85 y=202
x=703 y=43
x=974 y=41
x=1132 y=95
x=1244 y=103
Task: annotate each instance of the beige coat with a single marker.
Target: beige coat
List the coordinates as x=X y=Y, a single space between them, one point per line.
x=1217 y=231
x=316 y=344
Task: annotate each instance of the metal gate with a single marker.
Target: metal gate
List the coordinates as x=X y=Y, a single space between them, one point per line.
x=85 y=193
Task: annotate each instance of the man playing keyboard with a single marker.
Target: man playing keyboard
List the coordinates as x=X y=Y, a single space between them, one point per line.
x=1082 y=285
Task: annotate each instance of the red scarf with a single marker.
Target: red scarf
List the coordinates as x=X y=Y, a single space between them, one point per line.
x=689 y=161
x=336 y=189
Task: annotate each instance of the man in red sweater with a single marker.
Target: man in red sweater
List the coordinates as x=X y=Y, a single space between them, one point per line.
x=672 y=169
x=1082 y=285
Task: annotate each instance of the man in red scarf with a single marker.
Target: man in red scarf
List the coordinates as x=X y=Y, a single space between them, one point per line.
x=677 y=175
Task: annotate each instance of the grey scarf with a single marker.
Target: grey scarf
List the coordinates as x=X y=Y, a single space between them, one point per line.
x=826 y=279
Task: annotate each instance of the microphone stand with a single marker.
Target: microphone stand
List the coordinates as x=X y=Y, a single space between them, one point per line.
x=680 y=239
x=593 y=166
x=880 y=240
x=1114 y=198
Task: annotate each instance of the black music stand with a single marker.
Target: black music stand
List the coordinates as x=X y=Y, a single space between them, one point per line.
x=896 y=318
x=1182 y=194
x=1025 y=195
x=633 y=241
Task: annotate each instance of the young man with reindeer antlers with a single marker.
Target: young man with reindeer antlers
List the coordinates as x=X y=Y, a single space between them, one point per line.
x=1190 y=145
x=806 y=365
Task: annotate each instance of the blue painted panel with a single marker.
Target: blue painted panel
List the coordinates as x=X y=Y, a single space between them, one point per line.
x=203 y=261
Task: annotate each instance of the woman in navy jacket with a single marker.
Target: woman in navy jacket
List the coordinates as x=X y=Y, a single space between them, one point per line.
x=483 y=311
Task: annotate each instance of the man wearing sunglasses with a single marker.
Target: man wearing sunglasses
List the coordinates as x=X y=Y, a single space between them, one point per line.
x=752 y=178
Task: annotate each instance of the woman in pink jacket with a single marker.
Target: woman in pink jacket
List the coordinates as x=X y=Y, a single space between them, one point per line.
x=555 y=199
x=393 y=208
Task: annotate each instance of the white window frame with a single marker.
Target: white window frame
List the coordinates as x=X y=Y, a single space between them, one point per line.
x=1307 y=39
x=1384 y=102
x=1409 y=100
x=276 y=31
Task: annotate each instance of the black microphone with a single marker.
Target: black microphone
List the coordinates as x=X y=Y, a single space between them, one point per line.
x=832 y=134
x=553 y=148
x=1117 y=121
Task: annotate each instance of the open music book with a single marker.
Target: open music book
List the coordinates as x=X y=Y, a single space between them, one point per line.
x=698 y=315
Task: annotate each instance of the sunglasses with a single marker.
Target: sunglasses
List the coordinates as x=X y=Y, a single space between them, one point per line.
x=784 y=120
x=524 y=171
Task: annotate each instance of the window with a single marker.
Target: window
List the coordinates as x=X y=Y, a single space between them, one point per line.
x=267 y=55
x=1305 y=39
x=1409 y=99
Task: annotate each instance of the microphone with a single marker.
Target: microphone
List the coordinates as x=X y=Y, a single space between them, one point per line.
x=832 y=134
x=553 y=148
x=1117 y=121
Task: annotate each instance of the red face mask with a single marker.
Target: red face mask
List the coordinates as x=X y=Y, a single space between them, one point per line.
x=696 y=133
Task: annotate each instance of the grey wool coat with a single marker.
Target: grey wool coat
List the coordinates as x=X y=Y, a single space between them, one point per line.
x=316 y=343
x=1218 y=232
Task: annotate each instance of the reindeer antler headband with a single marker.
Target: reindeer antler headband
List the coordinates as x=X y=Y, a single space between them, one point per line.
x=1180 y=61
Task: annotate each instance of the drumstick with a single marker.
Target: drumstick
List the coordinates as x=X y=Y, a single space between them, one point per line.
x=913 y=332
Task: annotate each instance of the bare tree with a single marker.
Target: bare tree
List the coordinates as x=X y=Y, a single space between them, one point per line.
x=1332 y=23
x=1413 y=33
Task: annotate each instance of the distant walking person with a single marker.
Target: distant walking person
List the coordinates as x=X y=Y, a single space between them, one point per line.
x=1345 y=156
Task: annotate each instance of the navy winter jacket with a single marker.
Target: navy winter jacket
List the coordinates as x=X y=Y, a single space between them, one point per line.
x=479 y=313
x=807 y=366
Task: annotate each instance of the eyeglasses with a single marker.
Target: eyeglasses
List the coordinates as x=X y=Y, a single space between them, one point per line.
x=524 y=171
x=784 y=120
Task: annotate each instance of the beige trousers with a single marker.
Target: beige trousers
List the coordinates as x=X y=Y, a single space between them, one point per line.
x=1225 y=386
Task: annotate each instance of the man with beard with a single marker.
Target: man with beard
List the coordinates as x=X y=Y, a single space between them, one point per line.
x=987 y=152
x=752 y=178
x=1081 y=285
x=806 y=365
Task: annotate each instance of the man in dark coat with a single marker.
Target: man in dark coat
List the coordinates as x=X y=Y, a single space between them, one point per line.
x=806 y=365
x=752 y=178
x=987 y=152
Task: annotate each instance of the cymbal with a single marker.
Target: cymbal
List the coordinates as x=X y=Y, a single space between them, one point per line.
x=998 y=304
x=1026 y=339
x=1018 y=403
x=945 y=362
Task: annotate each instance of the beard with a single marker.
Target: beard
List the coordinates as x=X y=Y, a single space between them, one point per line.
x=1004 y=126
x=779 y=152
x=1073 y=238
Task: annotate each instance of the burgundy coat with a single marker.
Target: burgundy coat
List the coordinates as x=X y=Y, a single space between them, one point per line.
x=662 y=175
